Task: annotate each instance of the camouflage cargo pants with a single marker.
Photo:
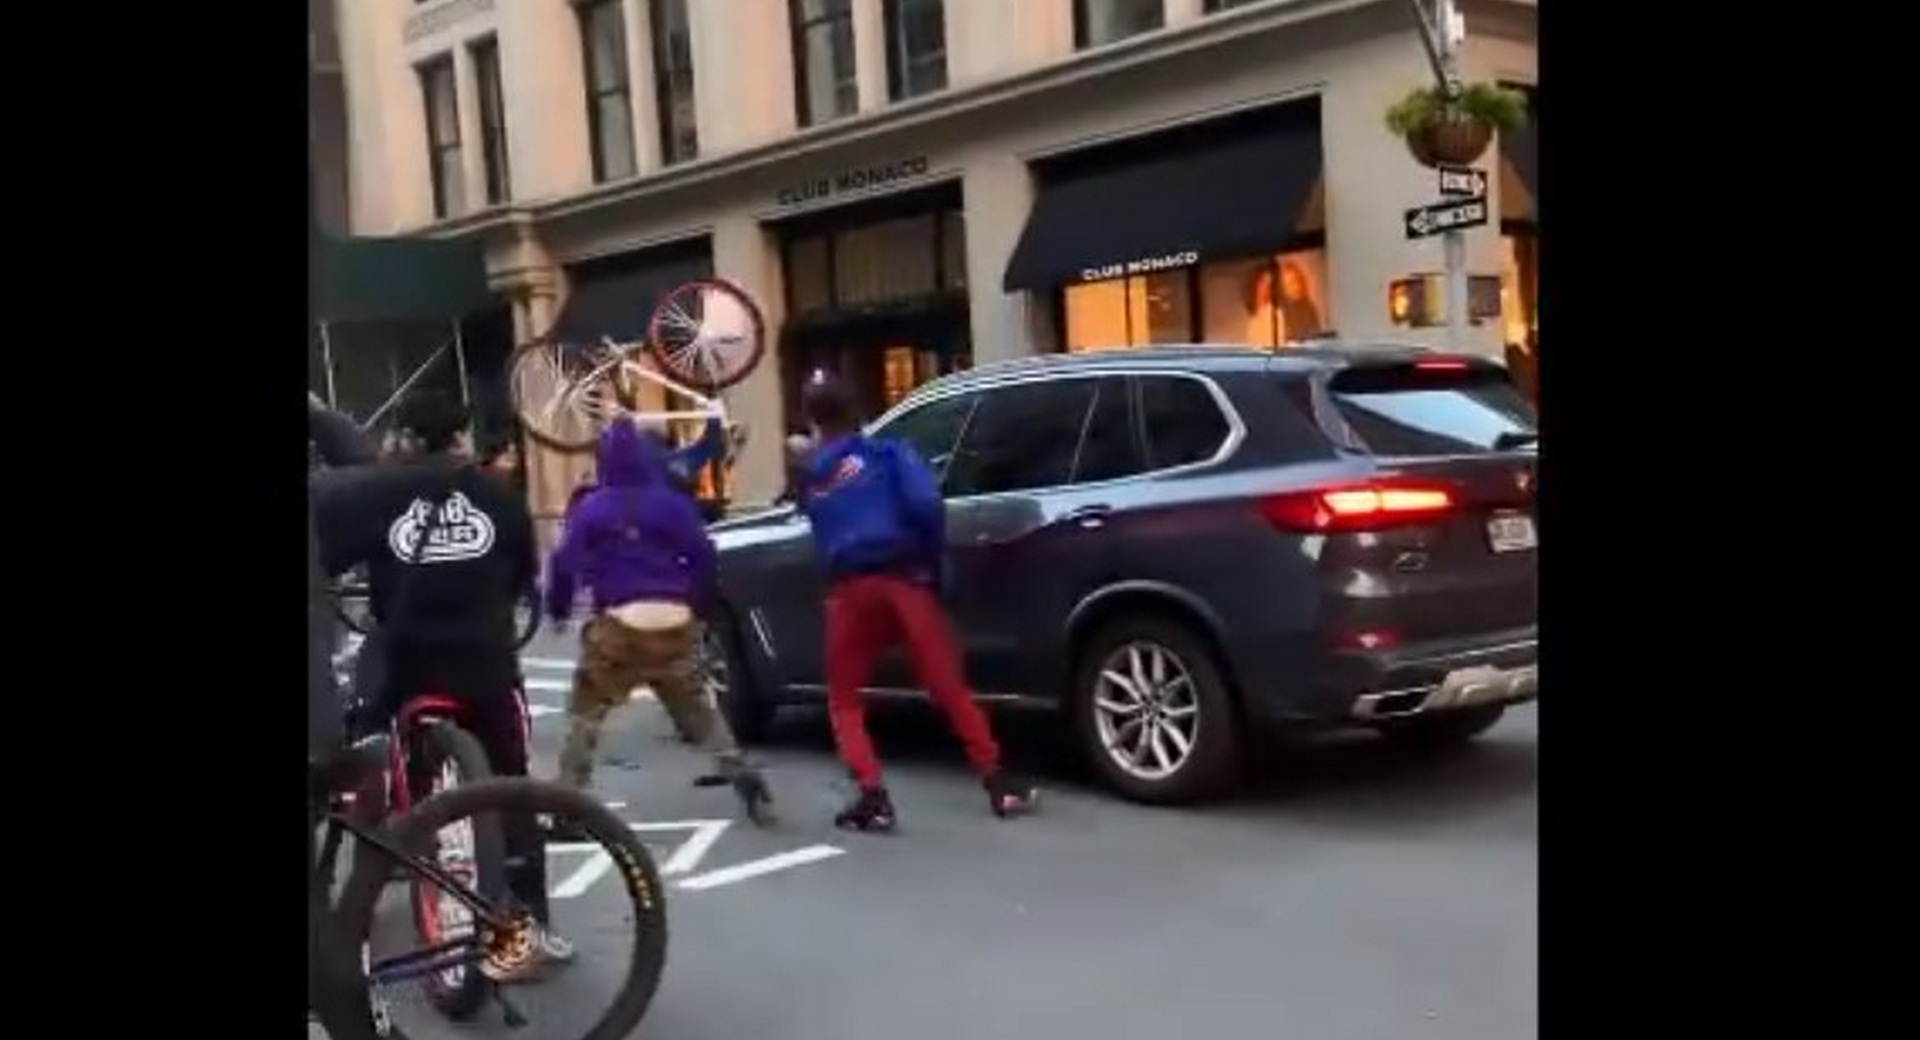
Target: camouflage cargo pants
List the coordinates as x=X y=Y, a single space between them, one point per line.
x=615 y=658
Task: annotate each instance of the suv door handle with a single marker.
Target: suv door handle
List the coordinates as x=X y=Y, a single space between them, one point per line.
x=1089 y=518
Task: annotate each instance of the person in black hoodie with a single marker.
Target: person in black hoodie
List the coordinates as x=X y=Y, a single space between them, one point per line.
x=335 y=443
x=446 y=611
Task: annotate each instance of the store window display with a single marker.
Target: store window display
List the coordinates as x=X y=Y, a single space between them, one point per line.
x=1519 y=296
x=1266 y=301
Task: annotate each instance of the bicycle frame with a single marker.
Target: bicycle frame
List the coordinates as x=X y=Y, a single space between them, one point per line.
x=339 y=823
x=621 y=361
x=408 y=966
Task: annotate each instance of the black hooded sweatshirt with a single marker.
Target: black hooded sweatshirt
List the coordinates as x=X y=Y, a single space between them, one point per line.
x=339 y=444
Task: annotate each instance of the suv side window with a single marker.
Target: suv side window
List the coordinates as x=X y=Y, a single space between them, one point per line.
x=1023 y=436
x=1181 y=421
x=1111 y=447
x=933 y=429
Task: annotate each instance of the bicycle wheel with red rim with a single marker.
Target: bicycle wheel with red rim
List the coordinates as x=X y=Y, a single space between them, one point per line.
x=707 y=334
x=556 y=403
x=472 y=851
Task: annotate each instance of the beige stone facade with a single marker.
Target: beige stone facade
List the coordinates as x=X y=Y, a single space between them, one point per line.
x=1017 y=91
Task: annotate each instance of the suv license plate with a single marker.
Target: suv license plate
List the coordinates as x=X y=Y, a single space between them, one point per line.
x=1511 y=532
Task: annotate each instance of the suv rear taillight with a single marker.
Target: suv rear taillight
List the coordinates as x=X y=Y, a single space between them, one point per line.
x=1371 y=506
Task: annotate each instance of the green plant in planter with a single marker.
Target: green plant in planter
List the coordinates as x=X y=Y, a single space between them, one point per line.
x=1454 y=129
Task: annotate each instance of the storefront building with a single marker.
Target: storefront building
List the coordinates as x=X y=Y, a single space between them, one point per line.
x=1054 y=175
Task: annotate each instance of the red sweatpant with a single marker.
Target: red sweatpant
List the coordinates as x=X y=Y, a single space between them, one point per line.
x=866 y=615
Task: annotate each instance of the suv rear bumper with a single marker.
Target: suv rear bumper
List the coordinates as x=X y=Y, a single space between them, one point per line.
x=1317 y=687
x=1502 y=669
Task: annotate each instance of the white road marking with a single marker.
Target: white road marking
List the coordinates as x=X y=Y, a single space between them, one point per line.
x=557 y=664
x=691 y=851
x=595 y=867
x=757 y=867
x=540 y=711
x=598 y=863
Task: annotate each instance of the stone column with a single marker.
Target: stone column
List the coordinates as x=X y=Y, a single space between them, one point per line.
x=1180 y=12
x=473 y=149
x=870 y=54
x=998 y=192
x=640 y=89
x=744 y=255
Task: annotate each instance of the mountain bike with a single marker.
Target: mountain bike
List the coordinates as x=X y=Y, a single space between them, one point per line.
x=703 y=337
x=352 y=606
x=354 y=994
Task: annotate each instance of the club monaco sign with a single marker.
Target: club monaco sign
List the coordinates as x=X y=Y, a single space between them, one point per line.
x=1144 y=265
x=852 y=182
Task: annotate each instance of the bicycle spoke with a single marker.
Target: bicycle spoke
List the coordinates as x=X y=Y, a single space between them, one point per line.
x=679 y=357
x=673 y=315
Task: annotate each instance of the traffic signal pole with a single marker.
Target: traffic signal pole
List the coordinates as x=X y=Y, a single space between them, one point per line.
x=1442 y=30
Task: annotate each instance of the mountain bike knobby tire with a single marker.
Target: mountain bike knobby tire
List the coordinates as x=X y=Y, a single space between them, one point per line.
x=434 y=745
x=415 y=829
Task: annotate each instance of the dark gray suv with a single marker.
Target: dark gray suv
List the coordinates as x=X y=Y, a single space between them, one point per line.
x=1178 y=544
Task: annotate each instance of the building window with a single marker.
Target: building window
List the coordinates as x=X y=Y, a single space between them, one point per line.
x=673 y=80
x=443 y=136
x=493 y=119
x=916 y=47
x=1097 y=22
x=1519 y=313
x=1216 y=6
x=824 y=83
x=603 y=37
x=1266 y=301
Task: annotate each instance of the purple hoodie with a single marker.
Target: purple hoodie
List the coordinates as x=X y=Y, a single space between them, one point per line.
x=632 y=537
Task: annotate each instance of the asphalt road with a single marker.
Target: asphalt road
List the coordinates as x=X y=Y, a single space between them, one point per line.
x=1354 y=892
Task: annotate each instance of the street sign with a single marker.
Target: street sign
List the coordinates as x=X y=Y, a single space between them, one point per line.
x=1462 y=182
x=1441 y=217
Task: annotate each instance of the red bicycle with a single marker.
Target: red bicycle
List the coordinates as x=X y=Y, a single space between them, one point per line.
x=430 y=751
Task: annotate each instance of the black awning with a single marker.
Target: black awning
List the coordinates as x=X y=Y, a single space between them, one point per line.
x=1523 y=152
x=615 y=299
x=394 y=279
x=1223 y=200
x=1520 y=147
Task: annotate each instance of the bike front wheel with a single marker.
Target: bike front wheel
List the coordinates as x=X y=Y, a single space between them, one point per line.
x=512 y=948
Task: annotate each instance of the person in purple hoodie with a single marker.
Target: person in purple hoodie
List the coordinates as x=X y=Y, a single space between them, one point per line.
x=639 y=547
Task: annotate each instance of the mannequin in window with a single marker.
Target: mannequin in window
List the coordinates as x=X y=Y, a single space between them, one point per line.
x=1299 y=318
x=1294 y=312
x=1520 y=365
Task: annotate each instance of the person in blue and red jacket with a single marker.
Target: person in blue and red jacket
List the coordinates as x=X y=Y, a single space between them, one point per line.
x=879 y=532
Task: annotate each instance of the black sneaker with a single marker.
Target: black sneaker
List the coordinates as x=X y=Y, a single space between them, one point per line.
x=871 y=810
x=755 y=796
x=1009 y=795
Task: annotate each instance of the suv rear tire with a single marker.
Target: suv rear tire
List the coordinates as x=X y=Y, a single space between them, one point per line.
x=1211 y=764
x=1443 y=730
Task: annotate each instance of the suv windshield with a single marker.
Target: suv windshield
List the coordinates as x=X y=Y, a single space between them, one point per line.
x=1427 y=409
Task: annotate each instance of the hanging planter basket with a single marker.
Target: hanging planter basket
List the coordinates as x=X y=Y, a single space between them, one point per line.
x=1450 y=142
x=1454 y=128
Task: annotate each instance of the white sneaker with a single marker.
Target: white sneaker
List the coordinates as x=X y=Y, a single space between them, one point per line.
x=553 y=948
